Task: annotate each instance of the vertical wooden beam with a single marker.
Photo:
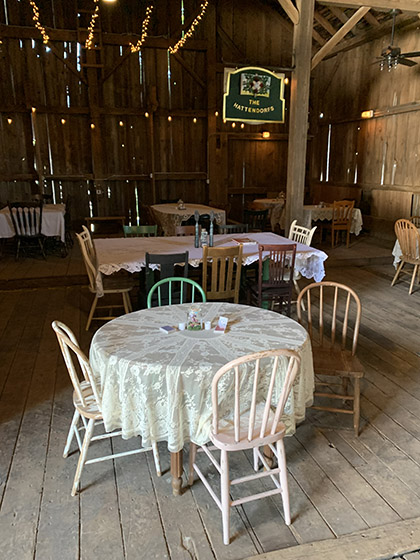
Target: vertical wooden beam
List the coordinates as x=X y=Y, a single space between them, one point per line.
x=37 y=152
x=299 y=104
x=215 y=190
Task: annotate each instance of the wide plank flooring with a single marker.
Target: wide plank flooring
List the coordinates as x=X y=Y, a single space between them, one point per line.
x=339 y=484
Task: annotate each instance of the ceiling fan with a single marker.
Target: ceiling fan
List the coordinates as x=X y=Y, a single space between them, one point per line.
x=392 y=55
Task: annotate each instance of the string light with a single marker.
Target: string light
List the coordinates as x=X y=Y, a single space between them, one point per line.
x=121 y=123
x=190 y=31
x=233 y=125
x=146 y=114
x=194 y=120
x=9 y=121
x=92 y=126
x=89 y=40
x=35 y=17
x=169 y=118
x=286 y=81
x=144 y=27
x=216 y=113
x=242 y=125
x=33 y=109
x=63 y=121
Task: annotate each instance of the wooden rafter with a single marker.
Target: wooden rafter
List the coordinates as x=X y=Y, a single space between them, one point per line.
x=339 y=14
x=318 y=38
x=370 y=18
x=328 y=47
x=290 y=10
x=384 y=5
x=324 y=23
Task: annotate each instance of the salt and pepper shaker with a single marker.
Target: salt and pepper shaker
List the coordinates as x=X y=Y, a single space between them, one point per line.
x=211 y=228
x=197 y=237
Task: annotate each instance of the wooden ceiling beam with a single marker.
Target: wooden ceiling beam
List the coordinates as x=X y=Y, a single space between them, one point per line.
x=290 y=10
x=370 y=18
x=342 y=32
x=318 y=38
x=382 y=5
x=324 y=23
x=339 y=14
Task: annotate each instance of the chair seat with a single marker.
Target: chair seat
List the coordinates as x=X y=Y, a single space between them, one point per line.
x=332 y=361
x=91 y=408
x=117 y=284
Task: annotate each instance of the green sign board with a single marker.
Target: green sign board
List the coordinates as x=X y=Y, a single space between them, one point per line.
x=254 y=95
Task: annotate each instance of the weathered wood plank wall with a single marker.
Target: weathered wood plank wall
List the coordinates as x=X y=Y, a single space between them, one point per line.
x=134 y=154
x=380 y=155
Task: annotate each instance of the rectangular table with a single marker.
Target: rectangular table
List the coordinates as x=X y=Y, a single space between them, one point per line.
x=169 y=216
x=114 y=254
x=312 y=213
x=52 y=221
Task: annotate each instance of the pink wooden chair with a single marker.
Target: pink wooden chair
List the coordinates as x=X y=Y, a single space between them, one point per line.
x=87 y=404
x=248 y=416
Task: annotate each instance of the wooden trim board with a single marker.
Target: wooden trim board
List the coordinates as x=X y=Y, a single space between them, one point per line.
x=379 y=543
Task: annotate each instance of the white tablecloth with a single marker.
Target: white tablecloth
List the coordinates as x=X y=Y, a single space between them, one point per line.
x=312 y=213
x=169 y=216
x=157 y=385
x=116 y=254
x=52 y=221
x=273 y=205
x=396 y=252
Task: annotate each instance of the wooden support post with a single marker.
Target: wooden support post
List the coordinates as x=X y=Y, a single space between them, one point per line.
x=215 y=192
x=38 y=154
x=299 y=103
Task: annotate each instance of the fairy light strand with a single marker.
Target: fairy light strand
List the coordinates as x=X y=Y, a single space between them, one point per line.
x=144 y=28
x=38 y=25
x=190 y=31
x=91 y=28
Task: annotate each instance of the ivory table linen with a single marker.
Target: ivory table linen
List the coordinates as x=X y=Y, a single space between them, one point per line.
x=157 y=385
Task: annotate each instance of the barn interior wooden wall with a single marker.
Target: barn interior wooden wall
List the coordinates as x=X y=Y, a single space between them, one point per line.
x=114 y=130
x=376 y=158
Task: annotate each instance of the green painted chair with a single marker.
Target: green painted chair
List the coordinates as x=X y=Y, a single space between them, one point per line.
x=175 y=290
x=140 y=231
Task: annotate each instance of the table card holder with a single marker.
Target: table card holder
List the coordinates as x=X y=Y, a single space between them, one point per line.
x=197 y=229
x=211 y=229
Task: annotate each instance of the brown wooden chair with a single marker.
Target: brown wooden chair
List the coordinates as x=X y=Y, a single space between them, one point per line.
x=333 y=313
x=415 y=220
x=275 y=277
x=232 y=228
x=186 y=230
x=224 y=281
x=111 y=285
x=409 y=239
x=140 y=231
x=341 y=219
x=256 y=219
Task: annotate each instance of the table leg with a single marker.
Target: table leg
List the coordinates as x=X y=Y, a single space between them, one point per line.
x=176 y=472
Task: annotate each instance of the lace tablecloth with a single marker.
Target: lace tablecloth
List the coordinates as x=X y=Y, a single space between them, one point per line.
x=157 y=385
x=52 y=221
x=313 y=213
x=116 y=254
x=169 y=216
x=273 y=205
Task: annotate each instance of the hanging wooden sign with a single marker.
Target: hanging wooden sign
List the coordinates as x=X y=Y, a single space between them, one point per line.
x=253 y=95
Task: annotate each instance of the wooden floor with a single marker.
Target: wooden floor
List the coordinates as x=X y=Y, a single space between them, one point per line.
x=339 y=484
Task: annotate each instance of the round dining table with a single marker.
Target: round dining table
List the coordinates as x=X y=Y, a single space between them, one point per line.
x=158 y=385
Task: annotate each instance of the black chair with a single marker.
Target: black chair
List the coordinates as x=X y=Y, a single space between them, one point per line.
x=275 y=277
x=256 y=219
x=27 y=222
x=167 y=267
x=232 y=228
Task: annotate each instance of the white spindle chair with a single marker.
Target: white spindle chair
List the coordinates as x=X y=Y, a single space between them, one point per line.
x=87 y=404
x=409 y=239
x=111 y=285
x=249 y=422
x=304 y=235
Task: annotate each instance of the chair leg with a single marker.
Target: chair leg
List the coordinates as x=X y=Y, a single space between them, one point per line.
x=83 y=453
x=156 y=458
x=397 y=273
x=225 y=497
x=193 y=452
x=126 y=302
x=73 y=428
x=348 y=239
x=41 y=245
x=281 y=458
x=413 y=278
x=91 y=312
x=356 y=406
x=256 y=459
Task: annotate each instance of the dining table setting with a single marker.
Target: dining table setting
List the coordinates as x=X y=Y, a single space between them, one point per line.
x=158 y=385
x=115 y=254
x=53 y=224
x=170 y=216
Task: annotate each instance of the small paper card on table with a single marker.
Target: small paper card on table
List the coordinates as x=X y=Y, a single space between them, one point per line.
x=221 y=325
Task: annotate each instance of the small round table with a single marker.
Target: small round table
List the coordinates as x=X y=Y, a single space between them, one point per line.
x=157 y=385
